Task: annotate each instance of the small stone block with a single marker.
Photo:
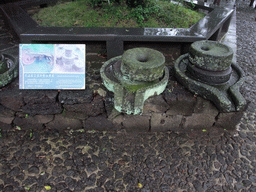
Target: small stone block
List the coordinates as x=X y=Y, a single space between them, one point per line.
x=199 y=120
x=155 y=104
x=162 y=122
x=7 y=120
x=27 y=123
x=180 y=100
x=74 y=115
x=5 y=126
x=6 y=115
x=75 y=97
x=93 y=108
x=204 y=115
x=39 y=97
x=43 y=118
x=61 y=122
x=42 y=109
x=228 y=120
x=12 y=100
x=133 y=123
x=99 y=123
x=205 y=106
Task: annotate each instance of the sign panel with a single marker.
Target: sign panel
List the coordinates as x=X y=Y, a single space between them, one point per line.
x=52 y=66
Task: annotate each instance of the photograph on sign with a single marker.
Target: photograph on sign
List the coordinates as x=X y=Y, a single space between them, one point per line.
x=52 y=66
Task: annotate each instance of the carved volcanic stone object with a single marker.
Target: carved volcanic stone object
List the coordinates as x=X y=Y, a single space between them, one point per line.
x=207 y=70
x=210 y=61
x=210 y=55
x=134 y=77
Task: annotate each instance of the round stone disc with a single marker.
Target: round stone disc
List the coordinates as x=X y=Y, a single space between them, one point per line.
x=142 y=64
x=210 y=77
x=210 y=55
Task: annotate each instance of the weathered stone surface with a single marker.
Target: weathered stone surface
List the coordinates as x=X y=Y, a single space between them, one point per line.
x=162 y=122
x=43 y=118
x=39 y=97
x=61 y=122
x=99 y=123
x=142 y=64
x=170 y=50
x=42 y=109
x=203 y=105
x=155 y=104
x=210 y=55
x=5 y=126
x=133 y=122
x=74 y=115
x=197 y=120
x=93 y=108
x=75 y=97
x=6 y=115
x=27 y=123
x=226 y=96
x=228 y=120
x=204 y=116
x=180 y=100
x=12 y=100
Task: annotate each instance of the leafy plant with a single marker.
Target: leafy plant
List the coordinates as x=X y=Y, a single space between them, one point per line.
x=140 y=14
x=95 y=3
x=135 y=3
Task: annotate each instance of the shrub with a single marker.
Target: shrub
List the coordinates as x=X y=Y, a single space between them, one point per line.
x=143 y=13
x=135 y=3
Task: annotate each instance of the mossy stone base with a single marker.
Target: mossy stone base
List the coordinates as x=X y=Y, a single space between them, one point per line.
x=225 y=96
x=210 y=77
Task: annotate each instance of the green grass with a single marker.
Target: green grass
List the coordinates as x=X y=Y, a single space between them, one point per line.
x=81 y=14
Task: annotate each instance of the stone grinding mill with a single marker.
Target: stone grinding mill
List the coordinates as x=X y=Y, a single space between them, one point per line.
x=208 y=70
x=135 y=76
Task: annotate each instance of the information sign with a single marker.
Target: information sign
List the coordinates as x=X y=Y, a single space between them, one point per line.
x=52 y=66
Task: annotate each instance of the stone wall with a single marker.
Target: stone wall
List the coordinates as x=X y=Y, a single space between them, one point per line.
x=92 y=109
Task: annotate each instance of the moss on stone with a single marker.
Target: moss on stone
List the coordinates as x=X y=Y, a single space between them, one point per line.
x=8 y=74
x=134 y=88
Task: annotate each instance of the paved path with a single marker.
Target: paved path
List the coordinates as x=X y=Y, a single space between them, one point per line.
x=211 y=160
